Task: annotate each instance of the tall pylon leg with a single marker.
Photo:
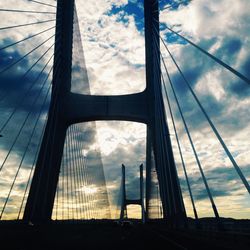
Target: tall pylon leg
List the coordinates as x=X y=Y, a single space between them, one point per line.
x=158 y=132
x=40 y=201
x=123 y=214
x=142 y=194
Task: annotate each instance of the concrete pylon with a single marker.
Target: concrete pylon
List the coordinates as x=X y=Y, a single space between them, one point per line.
x=68 y=108
x=158 y=139
x=126 y=202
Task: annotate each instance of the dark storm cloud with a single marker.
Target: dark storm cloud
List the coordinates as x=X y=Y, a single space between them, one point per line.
x=246 y=67
x=15 y=85
x=238 y=87
x=23 y=96
x=194 y=66
x=214 y=178
x=202 y=194
x=229 y=49
x=208 y=43
x=241 y=90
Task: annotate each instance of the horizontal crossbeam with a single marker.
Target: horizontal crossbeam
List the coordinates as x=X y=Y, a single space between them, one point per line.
x=133 y=202
x=82 y=108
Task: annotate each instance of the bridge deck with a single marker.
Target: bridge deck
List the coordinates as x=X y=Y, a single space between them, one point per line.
x=110 y=235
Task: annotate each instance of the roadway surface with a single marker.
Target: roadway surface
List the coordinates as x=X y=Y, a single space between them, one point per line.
x=114 y=236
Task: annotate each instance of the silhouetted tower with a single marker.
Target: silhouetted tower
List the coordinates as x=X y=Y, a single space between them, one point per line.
x=126 y=202
x=68 y=108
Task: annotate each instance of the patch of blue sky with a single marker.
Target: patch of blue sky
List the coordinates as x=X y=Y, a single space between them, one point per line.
x=163 y=3
x=172 y=38
x=133 y=8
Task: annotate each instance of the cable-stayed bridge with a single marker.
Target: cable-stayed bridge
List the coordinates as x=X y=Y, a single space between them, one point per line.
x=46 y=110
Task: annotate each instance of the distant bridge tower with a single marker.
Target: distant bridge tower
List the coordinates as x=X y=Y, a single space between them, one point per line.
x=126 y=202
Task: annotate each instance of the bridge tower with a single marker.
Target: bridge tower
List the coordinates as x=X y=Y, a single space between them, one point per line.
x=126 y=202
x=68 y=108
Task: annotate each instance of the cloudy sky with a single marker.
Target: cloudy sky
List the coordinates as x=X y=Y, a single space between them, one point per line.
x=112 y=35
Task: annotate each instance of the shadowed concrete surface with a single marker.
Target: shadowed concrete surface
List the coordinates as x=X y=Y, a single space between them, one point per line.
x=114 y=235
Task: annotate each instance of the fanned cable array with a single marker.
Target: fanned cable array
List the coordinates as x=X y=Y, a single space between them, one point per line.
x=26 y=50
x=168 y=84
x=81 y=192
